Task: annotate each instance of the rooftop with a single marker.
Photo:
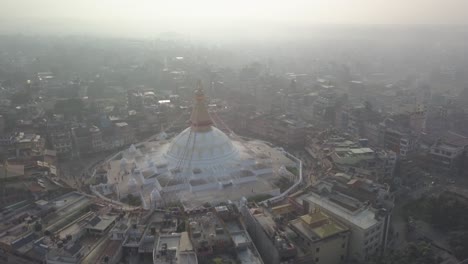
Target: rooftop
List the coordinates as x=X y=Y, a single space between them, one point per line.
x=317 y=226
x=363 y=217
x=101 y=223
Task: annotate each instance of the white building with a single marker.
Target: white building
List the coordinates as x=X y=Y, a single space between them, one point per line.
x=368 y=223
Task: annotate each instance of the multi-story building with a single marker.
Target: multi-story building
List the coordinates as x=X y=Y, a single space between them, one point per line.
x=361 y=205
x=123 y=134
x=364 y=161
x=288 y=132
x=349 y=156
x=281 y=129
x=325 y=238
x=87 y=140
x=27 y=146
x=60 y=138
x=135 y=100
x=219 y=232
x=96 y=139
x=274 y=246
x=324 y=108
x=446 y=153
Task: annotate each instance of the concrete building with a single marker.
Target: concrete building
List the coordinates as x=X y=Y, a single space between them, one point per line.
x=288 y=132
x=87 y=140
x=274 y=246
x=174 y=248
x=27 y=146
x=375 y=164
x=446 y=153
x=398 y=136
x=100 y=225
x=135 y=100
x=338 y=153
x=60 y=137
x=123 y=134
x=219 y=233
x=326 y=239
x=281 y=129
x=361 y=205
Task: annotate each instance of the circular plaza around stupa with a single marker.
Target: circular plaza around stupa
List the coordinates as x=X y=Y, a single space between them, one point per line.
x=201 y=164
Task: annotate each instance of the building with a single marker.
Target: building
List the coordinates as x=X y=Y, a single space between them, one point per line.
x=447 y=152
x=27 y=146
x=281 y=129
x=274 y=246
x=60 y=137
x=87 y=139
x=363 y=206
x=398 y=137
x=100 y=225
x=96 y=139
x=218 y=233
x=364 y=161
x=135 y=100
x=337 y=153
x=325 y=238
x=123 y=134
x=174 y=248
x=288 y=132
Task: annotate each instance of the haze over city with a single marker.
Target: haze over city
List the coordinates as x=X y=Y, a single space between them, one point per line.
x=222 y=132
x=145 y=18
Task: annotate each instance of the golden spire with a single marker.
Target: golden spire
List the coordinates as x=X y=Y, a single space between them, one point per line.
x=200 y=120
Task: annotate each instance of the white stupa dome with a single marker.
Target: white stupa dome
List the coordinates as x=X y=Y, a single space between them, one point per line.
x=203 y=148
x=201 y=145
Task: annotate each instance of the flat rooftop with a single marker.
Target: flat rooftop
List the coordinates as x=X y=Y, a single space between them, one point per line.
x=363 y=218
x=317 y=226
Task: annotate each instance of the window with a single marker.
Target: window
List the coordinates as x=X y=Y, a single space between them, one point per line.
x=317 y=250
x=342 y=257
x=343 y=245
x=317 y=259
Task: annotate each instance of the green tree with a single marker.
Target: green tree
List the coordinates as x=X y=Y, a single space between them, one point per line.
x=20 y=97
x=415 y=253
x=459 y=244
x=70 y=108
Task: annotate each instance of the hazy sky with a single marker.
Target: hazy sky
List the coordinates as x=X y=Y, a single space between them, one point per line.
x=175 y=14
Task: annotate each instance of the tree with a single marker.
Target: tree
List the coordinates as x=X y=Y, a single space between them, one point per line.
x=70 y=108
x=459 y=244
x=21 y=97
x=37 y=227
x=415 y=253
